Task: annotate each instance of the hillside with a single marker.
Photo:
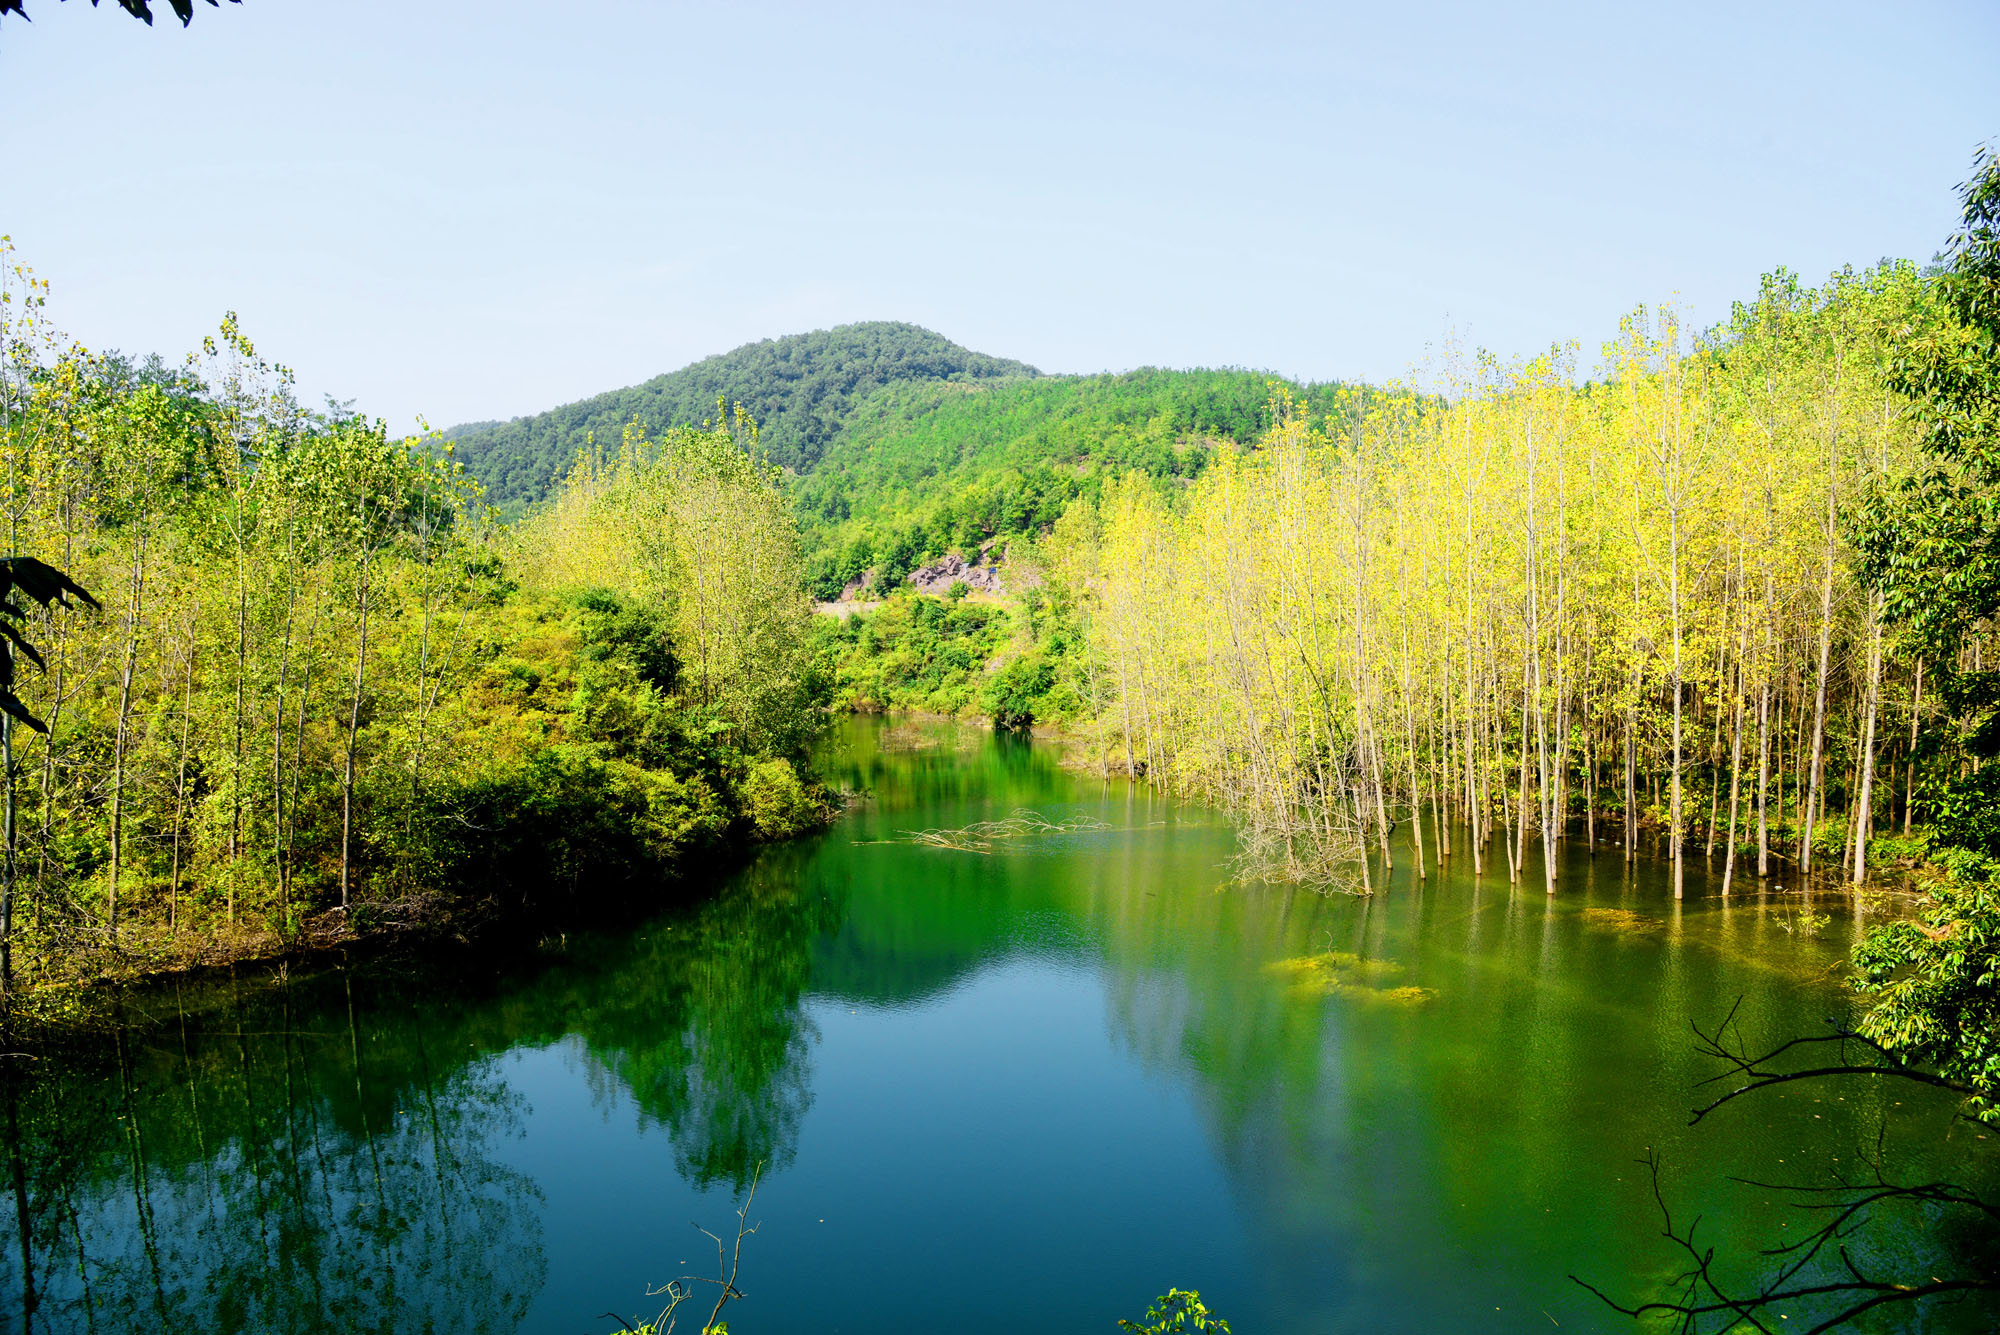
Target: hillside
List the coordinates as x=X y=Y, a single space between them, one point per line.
x=920 y=469
x=799 y=388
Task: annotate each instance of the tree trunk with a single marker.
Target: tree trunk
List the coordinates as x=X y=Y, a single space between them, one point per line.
x=123 y=737
x=236 y=763
x=1814 y=795
x=1736 y=747
x=353 y=731
x=181 y=773
x=1910 y=771
x=7 y=853
x=1864 y=809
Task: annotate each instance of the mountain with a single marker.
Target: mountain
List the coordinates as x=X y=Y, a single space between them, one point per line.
x=920 y=469
x=800 y=390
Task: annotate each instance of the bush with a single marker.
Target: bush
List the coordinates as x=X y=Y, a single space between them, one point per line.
x=776 y=803
x=1177 y=1310
x=1012 y=695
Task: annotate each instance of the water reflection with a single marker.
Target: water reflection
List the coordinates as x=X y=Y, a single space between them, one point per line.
x=329 y=1153
x=1093 y=1060
x=243 y=1168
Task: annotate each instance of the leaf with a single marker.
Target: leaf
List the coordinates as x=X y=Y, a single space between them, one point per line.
x=13 y=636
x=10 y=704
x=41 y=582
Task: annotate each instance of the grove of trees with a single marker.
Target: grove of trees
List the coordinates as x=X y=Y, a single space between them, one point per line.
x=1537 y=604
x=322 y=681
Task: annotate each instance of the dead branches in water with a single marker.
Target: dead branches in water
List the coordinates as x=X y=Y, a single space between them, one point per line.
x=728 y=1264
x=1824 y=1277
x=1846 y=1263
x=987 y=836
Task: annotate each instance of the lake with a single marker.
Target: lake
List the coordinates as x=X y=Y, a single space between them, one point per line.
x=1022 y=1078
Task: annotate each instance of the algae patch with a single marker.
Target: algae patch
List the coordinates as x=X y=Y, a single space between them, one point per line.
x=1339 y=971
x=1621 y=920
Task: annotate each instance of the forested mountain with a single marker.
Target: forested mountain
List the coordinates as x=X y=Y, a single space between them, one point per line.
x=922 y=468
x=799 y=389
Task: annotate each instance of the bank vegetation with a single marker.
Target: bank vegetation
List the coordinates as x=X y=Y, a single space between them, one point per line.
x=324 y=694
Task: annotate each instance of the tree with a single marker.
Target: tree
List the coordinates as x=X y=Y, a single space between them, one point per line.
x=1929 y=545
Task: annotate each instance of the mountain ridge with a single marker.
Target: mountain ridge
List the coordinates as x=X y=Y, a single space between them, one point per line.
x=799 y=388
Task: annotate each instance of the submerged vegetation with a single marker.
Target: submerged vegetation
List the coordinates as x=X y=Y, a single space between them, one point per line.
x=324 y=693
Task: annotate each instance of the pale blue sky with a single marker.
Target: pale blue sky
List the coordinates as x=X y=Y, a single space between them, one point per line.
x=478 y=208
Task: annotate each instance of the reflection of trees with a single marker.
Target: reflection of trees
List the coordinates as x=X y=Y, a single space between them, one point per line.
x=1499 y=1120
x=324 y=1154
x=700 y=1020
x=248 y=1169
x=1486 y=1128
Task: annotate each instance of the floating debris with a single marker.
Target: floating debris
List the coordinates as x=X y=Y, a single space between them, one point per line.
x=984 y=836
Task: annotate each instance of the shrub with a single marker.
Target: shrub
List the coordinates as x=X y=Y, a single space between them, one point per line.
x=1012 y=695
x=776 y=803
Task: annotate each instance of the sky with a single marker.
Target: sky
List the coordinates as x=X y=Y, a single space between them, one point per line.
x=470 y=209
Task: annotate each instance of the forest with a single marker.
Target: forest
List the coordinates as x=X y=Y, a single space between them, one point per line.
x=1609 y=597
x=1541 y=601
x=799 y=389
x=324 y=693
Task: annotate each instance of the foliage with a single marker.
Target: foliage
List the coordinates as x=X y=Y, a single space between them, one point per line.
x=321 y=679
x=138 y=9
x=1936 y=981
x=917 y=652
x=692 y=527
x=1176 y=1310
x=776 y=804
x=1930 y=542
x=45 y=586
x=1011 y=695
x=1499 y=601
x=921 y=469
x=1932 y=545
x=800 y=388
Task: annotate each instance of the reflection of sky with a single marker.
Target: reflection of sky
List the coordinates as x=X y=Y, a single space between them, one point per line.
x=972 y=1163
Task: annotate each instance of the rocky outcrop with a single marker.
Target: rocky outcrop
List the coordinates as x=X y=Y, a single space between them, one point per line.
x=980 y=573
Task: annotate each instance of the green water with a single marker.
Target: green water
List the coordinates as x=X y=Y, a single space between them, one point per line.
x=1022 y=1088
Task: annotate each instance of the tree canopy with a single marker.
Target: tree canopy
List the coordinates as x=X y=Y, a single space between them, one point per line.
x=799 y=389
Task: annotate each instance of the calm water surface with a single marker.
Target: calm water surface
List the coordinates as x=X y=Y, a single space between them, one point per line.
x=1024 y=1088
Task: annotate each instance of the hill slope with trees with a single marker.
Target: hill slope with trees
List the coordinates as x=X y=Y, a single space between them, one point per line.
x=921 y=469
x=799 y=389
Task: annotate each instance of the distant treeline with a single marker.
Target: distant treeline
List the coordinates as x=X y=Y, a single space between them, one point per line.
x=900 y=445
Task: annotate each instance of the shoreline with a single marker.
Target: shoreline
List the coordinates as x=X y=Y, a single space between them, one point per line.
x=78 y=1000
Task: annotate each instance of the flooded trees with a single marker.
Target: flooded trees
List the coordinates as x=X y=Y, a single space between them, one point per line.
x=1530 y=572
